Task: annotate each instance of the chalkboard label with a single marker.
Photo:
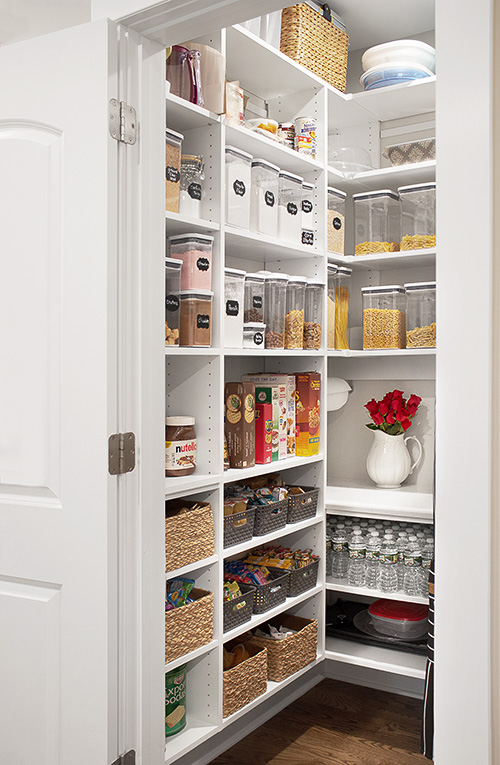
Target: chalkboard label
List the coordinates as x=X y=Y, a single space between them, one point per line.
x=307 y=206
x=202 y=264
x=232 y=308
x=337 y=223
x=172 y=303
x=307 y=237
x=194 y=190
x=257 y=301
x=203 y=321
x=172 y=174
x=269 y=197
x=258 y=338
x=239 y=188
x=292 y=208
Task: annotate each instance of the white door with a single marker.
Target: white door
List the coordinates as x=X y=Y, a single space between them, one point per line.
x=58 y=402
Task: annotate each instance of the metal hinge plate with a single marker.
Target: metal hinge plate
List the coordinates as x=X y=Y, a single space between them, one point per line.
x=122 y=122
x=121 y=456
x=125 y=759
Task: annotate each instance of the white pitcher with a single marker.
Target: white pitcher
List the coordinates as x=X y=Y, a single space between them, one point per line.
x=389 y=463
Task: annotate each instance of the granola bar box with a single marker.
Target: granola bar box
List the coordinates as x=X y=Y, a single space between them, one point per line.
x=307 y=413
x=239 y=423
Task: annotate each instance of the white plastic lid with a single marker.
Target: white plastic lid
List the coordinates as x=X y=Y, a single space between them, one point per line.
x=173 y=134
x=235 y=272
x=264 y=163
x=253 y=326
x=173 y=263
x=315 y=283
x=417 y=187
x=384 y=289
x=239 y=152
x=374 y=194
x=343 y=271
x=332 y=267
x=281 y=277
x=307 y=185
x=297 y=280
x=291 y=176
x=414 y=286
x=196 y=293
x=179 y=238
x=258 y=277
x=337 y=192
x=180 y=420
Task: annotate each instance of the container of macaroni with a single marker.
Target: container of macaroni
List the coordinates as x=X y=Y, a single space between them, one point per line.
x=377 y=222
x=418 y=216
x=384 y=317
x=420 y=315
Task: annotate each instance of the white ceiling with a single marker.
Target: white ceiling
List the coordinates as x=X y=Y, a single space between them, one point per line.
x=23 y=19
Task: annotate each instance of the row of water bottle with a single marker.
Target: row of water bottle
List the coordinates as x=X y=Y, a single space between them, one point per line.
x=382 y=555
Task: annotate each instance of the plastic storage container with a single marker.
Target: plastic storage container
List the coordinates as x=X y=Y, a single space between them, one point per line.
x=275 y=302
x=313 y=314
x=376 y=222
x=398 y=619
x=196 y=317
x=336 y=220
x=264 y=198
x=238 y=185
x=307 y=213
x=384 y=75
x=254 y=335
x=342 y=289
x=294 y=317
x=234 y=299
x=421 y=315
x=330 y=305
x=384 y=317
x=195 y=251
x=418 y=216
x=191 y=190
x=173 y=269
x=173 y=143
x=254 y=298
x=290 y=207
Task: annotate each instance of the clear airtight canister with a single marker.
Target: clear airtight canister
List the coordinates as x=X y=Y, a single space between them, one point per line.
x=192 y=176
x=420 y=315
x=330 y=305
x=254 y=297
x=307 y=213
x=173 y=144
x=294 y=317
x=290 y=207
x=313 y=314
x=264 y=198
x=377 y=223
x=384 y=317
x=336 y=220
x=254 y=335
x=342 y=289
x=418 y=216
x=172 y=300
x=275 y=303
x=234 y=297
x=238 y=185
x=195 y=251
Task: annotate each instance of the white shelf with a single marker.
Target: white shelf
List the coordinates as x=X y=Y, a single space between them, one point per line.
x=373 y=657
x=191 y=655
x=178 y=350
x=335 y=586
x=290 y=528
x=369 y=501
x=267 y=615
x=385 y=177
x=195 y=732
x=191 y=567
x=182 y=115
x=241 y=243
x=282 y=352
x=377 y=262
x=182 y=224
x=399 y=352
x=179 y=487
x=237 y=474
x=271 y=150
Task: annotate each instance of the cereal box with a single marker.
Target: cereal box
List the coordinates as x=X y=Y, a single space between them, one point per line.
x=286 y=404
x=268 y=394
x=307 y=419
x=263 y=433
x=239 y=423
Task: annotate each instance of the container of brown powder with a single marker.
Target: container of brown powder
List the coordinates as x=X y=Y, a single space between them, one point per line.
x=196 y=317
x=173 y=144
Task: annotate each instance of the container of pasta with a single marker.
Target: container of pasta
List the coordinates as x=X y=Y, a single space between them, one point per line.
x=336 y=220
x=342 y=289
x=384 y=317
x=377 y=222
x=421 y=315
x=330 y=305
x=175 y=700
x=418 y=216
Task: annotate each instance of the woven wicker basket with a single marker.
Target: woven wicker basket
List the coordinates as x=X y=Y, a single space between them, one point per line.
x=189 y=537
x=302 y=506
x=189 y=627
x=284 y=657
x=245 y=682
x=309 y=39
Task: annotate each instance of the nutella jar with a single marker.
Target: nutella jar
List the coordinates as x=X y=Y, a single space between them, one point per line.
x=180 y=446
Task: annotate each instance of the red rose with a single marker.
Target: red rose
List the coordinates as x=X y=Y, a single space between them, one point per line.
x=387 y=398
x=383 y=408
x=372 y=406
x=406 y=424
x=397 y=404
x=414 y=401
x=390 y=419
x=412 y=409
x=397 y=394
x=401 y=415
x=377 y=418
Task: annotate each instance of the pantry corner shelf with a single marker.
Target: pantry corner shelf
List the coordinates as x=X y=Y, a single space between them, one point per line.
x=178 y=487
x=385 y=177
x=195 y=732
x=241 y=474
x=182 y=224
x=265 y=352
x=290 y=528
x=335 y=586
x=373 y=657
x=191 y=655
x=195 y=566
x=403 y=259
x=370 y=501
x=239 y=242
x=392 y=353
x=182 y=115
x=271 y=150
x=191 y=350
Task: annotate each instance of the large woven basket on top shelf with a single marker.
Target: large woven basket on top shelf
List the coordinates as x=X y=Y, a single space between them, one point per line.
x=243 y=683
x=309 y=39
x=285 y=657
x=189 y=536
x=189 y=627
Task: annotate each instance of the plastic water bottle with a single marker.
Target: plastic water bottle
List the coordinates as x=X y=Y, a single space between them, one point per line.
x=412 y=582
x=387 y=580
x=427 y=556
x=339 y=556
x=356 y=570
x=328 y=555
x=402 y=542
x=372 y=556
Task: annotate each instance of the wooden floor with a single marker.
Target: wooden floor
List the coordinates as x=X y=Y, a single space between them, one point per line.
x=336 y=724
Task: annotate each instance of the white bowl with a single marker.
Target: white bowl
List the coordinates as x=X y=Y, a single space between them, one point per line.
x=412 y=51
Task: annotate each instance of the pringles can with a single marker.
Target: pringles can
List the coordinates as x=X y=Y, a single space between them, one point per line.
x=305 y=136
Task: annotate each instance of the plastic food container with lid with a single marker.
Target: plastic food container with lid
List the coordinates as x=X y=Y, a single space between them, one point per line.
x=191 y=190
x=307 y=212
x=196 y=317
x=254 y=298
x=195 y=251
x=336 y=220
x=376 y=222
x=294 y=317
x=410 y=51
x=173 y=269
x=395 y=74
x=420 y=315
x=173 y=142
x=384 y=317
x=254 y=334
x=330 y=305
x=313 y=314
x=342 y=289
x=290 y=207
x=399 y=619
x=264 y=198
x=275 y=302
x=418 y=216
x=238 y=184
x=234 y=298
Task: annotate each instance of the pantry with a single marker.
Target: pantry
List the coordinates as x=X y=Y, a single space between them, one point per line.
x=262 y=295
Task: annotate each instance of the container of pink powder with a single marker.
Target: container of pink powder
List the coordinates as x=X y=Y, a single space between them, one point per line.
x=195 y=251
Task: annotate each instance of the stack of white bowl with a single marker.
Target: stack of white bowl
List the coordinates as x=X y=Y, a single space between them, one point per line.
x=397 y=62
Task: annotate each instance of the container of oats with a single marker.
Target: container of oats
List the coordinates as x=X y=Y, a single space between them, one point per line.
x=173 y=268
x=294 y=316
x=173 y=145
x=275 y=304
x=336 y=220
x=313 y=314
x=420 y=315
x=377 y=223
x=384 y=317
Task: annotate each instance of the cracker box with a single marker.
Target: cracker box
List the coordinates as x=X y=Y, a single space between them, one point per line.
x=286 y=404
x=268 y=394
x=263 y=433
x=239 y=423
x=307 y=408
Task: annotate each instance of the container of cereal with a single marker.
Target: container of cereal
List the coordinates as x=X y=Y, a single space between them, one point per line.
x=342 y=289
x=254 y=297
x=420 y=315
x=313 y=314
x=330 y=305
x=173 y=143
x=376 y=222
x=307 y=213
x=336 y=220
x=173 y=269
x=195 y=251
x=418 y=216
x=264 y=198
x=196 y=317
x=175 y=700
x=238 y=184
x=234 y=298
x=384 y=317
x=191 y=192
x=275 y=303
x=254 y=334
x=290 y=207
x=294 y=317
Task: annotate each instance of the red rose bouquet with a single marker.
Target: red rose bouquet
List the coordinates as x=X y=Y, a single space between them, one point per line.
x=393 y=414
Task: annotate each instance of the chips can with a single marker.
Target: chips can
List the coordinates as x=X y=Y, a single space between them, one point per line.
x=175 y=700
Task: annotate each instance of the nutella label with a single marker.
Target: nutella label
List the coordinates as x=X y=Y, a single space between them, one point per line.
x=180 y=455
